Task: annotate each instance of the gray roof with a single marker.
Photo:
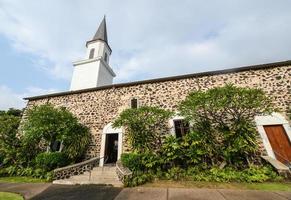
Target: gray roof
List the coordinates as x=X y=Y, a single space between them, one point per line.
x=101 y=33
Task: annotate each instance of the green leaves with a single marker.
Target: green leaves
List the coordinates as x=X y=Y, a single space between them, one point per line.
x=223 y=118
x=46 y=124
x=51 y=160
x=145 y=127
x=9 y=142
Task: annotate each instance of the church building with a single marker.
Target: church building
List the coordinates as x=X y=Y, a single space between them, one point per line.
x=96 y=101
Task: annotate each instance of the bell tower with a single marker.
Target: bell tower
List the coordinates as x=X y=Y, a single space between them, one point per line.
x=94 y=70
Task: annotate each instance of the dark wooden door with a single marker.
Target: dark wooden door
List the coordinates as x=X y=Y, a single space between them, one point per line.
x=280 y=142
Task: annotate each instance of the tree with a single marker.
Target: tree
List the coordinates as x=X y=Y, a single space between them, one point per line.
x=45 y=125
x=9 y=142
x=12 y=111
x=145 y=127
x=224 y=119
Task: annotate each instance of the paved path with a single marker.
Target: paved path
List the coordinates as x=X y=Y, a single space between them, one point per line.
x=198 y=194
x=45 y=191
x=27 y=190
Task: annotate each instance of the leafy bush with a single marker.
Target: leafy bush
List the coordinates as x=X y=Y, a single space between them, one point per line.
x=46 y=124
x=147 y=161
x=9 y=142
x=51 y=160
x=143 y=165
x=221 y=145
x=223 y=120
x=42 y=174
x=138 y=178
x=132 y=161
x=171 y=152
x=175 y=173
x=146 y=127
x=251 y=174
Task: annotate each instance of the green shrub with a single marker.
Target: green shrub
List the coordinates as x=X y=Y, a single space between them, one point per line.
x=140 y=161
x=42 y=174
x=46 y=124
x=171 y=153
x=175 y=173
x=51 y=160
x=25 y=171
x=221 y=145
x=223 y=119
x=260 y=174
x=9 y=141
x=132 y=161
x=138 y=178
x=251 y=174
x=145 y=127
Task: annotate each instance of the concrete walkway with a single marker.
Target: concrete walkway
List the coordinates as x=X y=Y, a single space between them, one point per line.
x=27 y=190
x=44 y=191
x=198 y=194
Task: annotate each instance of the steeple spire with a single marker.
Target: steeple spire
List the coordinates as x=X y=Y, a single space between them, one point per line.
x=101 y=33
x=94 y=71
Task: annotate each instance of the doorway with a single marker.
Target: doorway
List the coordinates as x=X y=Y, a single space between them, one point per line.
x=111 y=140
x=274 y=129
x=280 y=142
x=111 y=148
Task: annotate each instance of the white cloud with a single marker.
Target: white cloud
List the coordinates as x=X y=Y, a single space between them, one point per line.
x=11 y=99
x=8 y=99
x=150 y=38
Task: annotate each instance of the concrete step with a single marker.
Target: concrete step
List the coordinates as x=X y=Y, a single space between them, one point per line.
x=103 y=173
x=280 y=167
x=103 y=170
x=99 y=175
x=74 y=182
x=86 y=173
x=103 y=179
x=80 y=177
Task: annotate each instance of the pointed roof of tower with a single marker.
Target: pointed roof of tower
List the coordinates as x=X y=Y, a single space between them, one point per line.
x=101 y=33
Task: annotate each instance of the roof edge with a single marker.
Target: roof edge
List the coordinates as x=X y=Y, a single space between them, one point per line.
x=95 y=40
x=170 y=78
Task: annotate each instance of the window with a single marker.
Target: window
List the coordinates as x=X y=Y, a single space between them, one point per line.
x=181 y=127
x=91 y=55
x=105 y=57
x=55 y=146
x=133 y=103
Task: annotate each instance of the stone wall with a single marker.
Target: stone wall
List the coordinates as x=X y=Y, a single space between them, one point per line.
x=96 y=108
x=75 y=169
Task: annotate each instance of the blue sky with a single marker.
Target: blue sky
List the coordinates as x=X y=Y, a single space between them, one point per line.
x=40 y=39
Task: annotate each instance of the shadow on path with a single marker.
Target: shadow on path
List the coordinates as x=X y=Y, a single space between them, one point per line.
x=77 y=192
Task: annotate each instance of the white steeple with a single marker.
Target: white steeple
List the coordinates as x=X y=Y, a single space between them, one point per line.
x=94 y=71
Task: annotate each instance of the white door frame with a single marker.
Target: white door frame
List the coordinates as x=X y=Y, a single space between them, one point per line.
x=273 y=119
x=108 y=129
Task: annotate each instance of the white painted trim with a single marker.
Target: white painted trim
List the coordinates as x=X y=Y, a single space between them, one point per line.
x=81 y=62
x=137 y=100
x=273 y=119
x=108 y=129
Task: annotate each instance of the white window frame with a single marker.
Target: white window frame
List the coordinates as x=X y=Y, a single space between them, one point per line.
x=172 y=124
x=137 y=102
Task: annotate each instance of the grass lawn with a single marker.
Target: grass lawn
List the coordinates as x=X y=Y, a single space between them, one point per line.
x=10 y=196
x=279 y=186
x=21 y=179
